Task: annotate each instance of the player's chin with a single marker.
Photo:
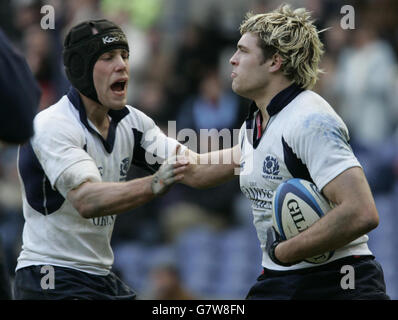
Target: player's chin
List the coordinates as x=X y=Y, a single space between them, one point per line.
x=117 y=102
x=116 y=105
x=238 y=89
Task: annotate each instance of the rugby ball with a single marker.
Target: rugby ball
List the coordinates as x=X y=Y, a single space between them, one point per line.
x=296 y=205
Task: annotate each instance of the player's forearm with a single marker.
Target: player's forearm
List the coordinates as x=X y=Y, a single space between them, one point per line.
x=206 y=176
x=108 y=198
x=210 y=169
x=337 y=228
x=354 y=215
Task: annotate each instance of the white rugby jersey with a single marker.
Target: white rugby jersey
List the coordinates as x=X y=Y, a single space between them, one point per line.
x=304 y=138
x=66 y=141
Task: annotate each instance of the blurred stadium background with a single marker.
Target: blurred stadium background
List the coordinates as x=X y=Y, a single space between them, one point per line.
x=201 y=244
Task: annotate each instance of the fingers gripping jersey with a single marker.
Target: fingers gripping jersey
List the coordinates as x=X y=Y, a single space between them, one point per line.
x=65 y=151
x=304 y=138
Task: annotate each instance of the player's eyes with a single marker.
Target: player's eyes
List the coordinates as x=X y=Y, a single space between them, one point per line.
x=110 y=56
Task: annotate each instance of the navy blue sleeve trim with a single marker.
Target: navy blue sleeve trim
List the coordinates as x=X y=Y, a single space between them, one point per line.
x=139 y=154
x=39 y=192
x=295 y=166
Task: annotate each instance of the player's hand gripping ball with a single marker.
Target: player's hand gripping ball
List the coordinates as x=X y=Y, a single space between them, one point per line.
x=296 y=205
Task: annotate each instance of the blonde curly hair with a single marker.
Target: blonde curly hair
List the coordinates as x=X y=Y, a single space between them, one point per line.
x=291 y=34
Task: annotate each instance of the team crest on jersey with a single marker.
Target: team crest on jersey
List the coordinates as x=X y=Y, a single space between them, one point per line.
x=124 y=167
x=271 y=168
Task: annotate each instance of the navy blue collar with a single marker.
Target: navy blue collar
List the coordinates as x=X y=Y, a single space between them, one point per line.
x=281 y=100
x=116 y=115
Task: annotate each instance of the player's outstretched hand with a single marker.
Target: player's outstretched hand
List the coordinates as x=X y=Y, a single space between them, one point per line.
x=170 y=172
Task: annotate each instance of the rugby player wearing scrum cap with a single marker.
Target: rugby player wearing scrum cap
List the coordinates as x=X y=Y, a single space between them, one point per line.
x=73 y=172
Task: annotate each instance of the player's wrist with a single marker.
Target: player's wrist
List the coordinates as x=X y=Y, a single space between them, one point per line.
x=272 y=254
x=157 y=185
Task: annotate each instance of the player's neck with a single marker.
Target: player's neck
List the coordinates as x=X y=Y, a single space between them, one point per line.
x=273 y=88
x=97 y=114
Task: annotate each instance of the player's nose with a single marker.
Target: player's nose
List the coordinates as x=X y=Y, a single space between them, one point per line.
x=233 y=60
x=121 y=63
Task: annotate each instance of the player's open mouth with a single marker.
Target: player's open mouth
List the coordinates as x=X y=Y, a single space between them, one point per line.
x=119 y=87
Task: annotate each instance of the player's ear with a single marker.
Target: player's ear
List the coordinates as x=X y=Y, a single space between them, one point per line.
x=276 y=63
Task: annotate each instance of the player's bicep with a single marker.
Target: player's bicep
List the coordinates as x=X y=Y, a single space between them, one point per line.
x=351 y=190
x=349 y=186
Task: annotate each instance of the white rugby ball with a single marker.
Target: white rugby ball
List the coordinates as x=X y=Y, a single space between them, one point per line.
x=296 y=205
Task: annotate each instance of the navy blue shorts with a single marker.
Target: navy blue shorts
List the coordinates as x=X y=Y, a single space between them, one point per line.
x=323 y=282
x=68 y=284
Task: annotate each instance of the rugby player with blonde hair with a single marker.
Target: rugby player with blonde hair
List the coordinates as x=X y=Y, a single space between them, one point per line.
x=292 y=132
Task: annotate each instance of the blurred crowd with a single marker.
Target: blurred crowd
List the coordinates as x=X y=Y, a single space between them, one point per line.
x=201 y=243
